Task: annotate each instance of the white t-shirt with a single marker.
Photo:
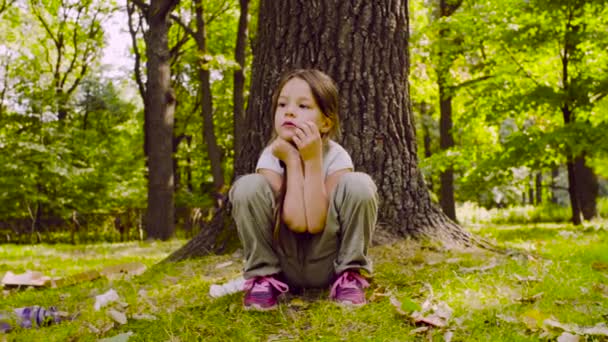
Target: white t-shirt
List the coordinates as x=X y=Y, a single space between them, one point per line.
x=335 y=158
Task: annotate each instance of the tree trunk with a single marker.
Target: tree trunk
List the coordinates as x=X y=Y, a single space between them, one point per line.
x=213 y=150
x=426 y=119
x=539 y=188
x=554 y=186
x=238 y=93
x=363 y=46
x=160 y=108
x=587 y=188
x=446 y=141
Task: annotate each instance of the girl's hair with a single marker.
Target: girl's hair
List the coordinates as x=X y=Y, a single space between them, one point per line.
x=325 y=94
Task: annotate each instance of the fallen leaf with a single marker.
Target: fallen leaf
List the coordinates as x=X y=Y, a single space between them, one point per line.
x=91 y=328
x=124 y=337
x=505 y=318
x=105 y=298
x=29 y=278
x=397 y=304
x=599 y=266
x=433 y=320
x=525 y=279
x=567 y=337
x=117 y=316
x=531 y=299
x=443 y=310
x=419 y=330
x=223 y=265
x=484 y=268
x=378 y=294
x=567 y=234
x=123 y=270
x=598 y=329
x=146 y=317
x=601 y=288
x=447 y=337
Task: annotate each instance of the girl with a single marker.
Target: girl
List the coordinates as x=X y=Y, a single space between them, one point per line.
x=305 y=219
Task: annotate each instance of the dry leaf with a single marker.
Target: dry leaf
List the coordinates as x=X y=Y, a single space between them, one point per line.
x=146 y=317
x=105 y=298
x=377 y=295
x=567 y=337
x=91 y=328
x=223 y=265
x=123 y=270
x=117 y=316
x=489 y=266
x=29 y=278
x=599 y=266
x=598 y=329
x=397 y=304
x=505 y=318
x=525 y=279
x=531 y=299
x=433 y=320
x=419 y=330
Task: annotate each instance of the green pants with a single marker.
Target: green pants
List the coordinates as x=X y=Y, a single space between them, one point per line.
x=306 y=260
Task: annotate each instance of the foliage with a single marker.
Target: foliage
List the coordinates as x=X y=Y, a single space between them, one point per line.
x=513 y=116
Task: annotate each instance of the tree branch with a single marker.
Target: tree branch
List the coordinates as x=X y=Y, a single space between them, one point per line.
x=470 y=82
x=133 y=32
x=519 y=66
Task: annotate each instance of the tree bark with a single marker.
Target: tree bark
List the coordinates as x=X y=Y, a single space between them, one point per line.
x=587 y=188
x=213 y=150
x=238 y=94
x=363 y=46
x=446 y=139
x=160 y=105
x=539 y=188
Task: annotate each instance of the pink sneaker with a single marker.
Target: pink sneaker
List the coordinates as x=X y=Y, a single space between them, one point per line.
x=348 y=289
x=262 y=293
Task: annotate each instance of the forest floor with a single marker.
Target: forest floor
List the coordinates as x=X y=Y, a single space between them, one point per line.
x=557 y=290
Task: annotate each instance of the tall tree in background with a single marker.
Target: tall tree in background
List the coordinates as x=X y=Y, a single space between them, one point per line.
x=204 y=74
x=159 y=110
x=238 y=95
x=446 y=138
x=74 y=28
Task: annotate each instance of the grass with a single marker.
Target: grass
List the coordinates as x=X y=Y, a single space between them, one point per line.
x=568 y=267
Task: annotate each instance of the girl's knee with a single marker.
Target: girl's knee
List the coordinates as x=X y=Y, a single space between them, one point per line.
x=248 y=187
x=359 y=186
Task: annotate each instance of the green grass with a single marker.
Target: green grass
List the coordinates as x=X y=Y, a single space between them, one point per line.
x=569 y=265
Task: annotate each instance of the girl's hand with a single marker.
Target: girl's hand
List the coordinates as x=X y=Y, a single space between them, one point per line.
x=308 y=141
x=284 y=150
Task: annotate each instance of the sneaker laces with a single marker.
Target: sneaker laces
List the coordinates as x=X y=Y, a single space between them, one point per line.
x=258 y=284
x=348 y=280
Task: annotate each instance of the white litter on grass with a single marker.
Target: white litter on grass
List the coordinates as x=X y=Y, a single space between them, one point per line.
x=233 y=286
x=106 y=298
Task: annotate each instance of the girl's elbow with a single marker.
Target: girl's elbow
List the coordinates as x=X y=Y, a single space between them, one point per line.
x=315 y=229
x=294 y=225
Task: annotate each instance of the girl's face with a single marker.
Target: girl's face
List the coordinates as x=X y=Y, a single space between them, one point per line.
x=295 y=106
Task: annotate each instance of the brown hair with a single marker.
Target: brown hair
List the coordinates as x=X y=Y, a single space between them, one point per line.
x=325 y=93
